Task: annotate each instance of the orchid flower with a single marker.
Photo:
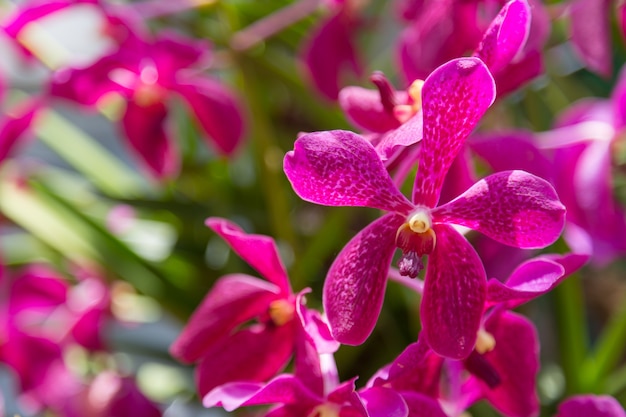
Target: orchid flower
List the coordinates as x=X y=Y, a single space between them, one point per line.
x=146 y=75
x=244 y=318
x=442 y=30
x=576 y=156
x=503 y=366
x=340 y=168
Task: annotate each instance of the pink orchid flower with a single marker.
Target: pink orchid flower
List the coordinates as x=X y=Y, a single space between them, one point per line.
x=503 y=366
x=147 y=74
x=340 y=168
x=576 y=156
x=442 y=30
x=244 y=318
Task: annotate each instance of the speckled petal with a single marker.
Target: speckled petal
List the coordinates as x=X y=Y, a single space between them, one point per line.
x=506 y=35
x=454 y=295
x=516 y=360
x=511 y=207
x=591 y=406
x=406 y=135
x=259 y=251
x=454 y=98
x=340 y=168
x=355 y=284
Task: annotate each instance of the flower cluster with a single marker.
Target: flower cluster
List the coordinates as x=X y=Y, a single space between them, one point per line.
x=470 y=218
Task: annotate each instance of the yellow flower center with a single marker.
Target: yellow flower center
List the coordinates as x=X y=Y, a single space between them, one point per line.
x=485 y=342
x=281 y=312
x=404 y=112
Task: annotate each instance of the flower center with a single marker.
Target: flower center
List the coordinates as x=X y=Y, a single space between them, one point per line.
x=281 y=312
x=404 y=112
x=325 y=410
x=485 y=342
x=415 y=238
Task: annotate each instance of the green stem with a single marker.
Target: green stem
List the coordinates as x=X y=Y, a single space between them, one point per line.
x=571 y=327
x=609 y=350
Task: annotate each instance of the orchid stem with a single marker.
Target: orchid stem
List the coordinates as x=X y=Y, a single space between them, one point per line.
x=571 y=326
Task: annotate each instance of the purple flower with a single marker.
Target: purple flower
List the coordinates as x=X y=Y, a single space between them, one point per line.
x=340 y=168
x=441 y=30
x=503 y=366
x=244 y=318
x=576 y=156
x=591 y=34
x=147 y=74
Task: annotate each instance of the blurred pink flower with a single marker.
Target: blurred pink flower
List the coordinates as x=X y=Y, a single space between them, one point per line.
x=246 y=328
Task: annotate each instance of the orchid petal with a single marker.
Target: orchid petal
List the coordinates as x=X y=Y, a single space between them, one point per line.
x=531 y=279
x=454 y=98
x=406 y=135
x=421 y=405
x=516 y=361
x=145 y=130
x=236 y=358
x=14 y=127
x=259 y=251
x=364 y=109
x=355 y=285
x=416 y=369
x=454 y=295
x=591 y=34
x=511 y=207
x=505 y=151
x=618 y=97
x=519 y=72
x=232 y=301
x=284 y=389
x=506 y=35
x=340 y=168
x=216 y=109
x=383 y=402
x=329 y=51
x=591 y=406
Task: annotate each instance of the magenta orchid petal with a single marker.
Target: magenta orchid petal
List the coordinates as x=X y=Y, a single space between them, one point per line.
x=519 y=72
x=144 y=126
x=363 y=107
x=505 y=151
x=528 y=213
x=330 y=51
x=340 y=168
x=515 y=358
x=454 y=98
x=355 y=284
x=316 y=327
x=531 y=279
x=454 y=295
x=420 y=405
x=408 y=134
x=591 y=406
x=14 y=127
x=416 y=369
x=216 y=109
x=618 y=97
x=591 y=35
x=236 y=358
x=383 y=402
x=461 y=176
x=233 y=300
x=87 y=86
x=506 y=35
x=259 y=251
x=284 y=389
